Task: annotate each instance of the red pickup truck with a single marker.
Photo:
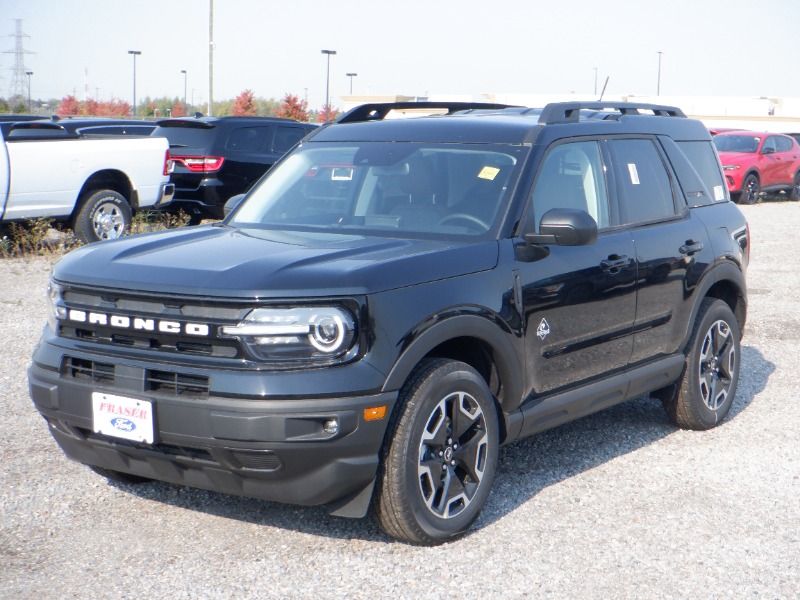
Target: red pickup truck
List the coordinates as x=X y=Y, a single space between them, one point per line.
x=756 y=163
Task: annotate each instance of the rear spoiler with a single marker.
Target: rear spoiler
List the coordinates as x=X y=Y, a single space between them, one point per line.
x=185 y=123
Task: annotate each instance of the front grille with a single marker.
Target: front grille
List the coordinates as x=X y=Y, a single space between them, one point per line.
x=178 y=384
x=189 y=311
x=79 y=368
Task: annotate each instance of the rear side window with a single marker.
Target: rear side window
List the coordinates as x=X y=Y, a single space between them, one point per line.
x=286 y=137
x=704 y=160
x=249 y=139
x=784 y=144
x=643 y=183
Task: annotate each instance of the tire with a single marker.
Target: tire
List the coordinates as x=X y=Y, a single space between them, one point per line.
x=703 y=396
x=436 y=480
x=119 y=476
x=751 y=190
x=103 y=215
x=794 y=194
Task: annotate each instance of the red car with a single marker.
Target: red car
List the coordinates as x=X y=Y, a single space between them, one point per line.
x=758 y=162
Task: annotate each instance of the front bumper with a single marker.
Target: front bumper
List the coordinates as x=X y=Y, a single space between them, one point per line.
x=274 y=449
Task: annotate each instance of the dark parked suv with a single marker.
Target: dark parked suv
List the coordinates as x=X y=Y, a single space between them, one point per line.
x=219 y=157
x=398 y=298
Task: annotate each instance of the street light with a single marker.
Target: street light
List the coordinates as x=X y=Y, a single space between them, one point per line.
x=184 y=89
x=658 y=85
x=595 y=81
x=134 y=53
x=328 y=83
x=29 y=73
x=351 y=75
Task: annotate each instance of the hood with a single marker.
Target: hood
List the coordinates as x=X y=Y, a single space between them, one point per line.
x=232 y=262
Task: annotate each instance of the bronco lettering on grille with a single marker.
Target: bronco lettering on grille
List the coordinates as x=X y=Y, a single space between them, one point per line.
x=138 y=323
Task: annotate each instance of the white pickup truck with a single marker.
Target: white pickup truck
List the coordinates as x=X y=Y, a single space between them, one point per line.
x=94 y=184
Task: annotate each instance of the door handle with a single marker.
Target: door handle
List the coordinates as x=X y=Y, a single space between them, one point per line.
x=691 y=247
x=615 y=263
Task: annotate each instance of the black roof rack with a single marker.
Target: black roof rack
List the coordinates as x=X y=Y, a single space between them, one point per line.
x=569 y=112
x=377 y=112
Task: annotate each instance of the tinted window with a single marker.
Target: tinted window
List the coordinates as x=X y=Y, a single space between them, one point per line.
x=642 y=181
x=186 y=137
x=737 y=143
x=571 y=176
x=702 y=157
x=784 y=144
x=248 y=139
x=286 y=137
x=771 y=144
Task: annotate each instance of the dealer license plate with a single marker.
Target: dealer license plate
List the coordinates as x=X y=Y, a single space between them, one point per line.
x=122 y=417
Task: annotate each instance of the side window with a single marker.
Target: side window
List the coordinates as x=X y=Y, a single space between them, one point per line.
x=572 y=176
x=248 y=139
x=286 y=137
x=645 y=192
x=702 y=157
x=784 y=144
x=771 y=143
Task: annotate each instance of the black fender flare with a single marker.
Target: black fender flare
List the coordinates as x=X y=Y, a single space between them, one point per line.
x=491 y=331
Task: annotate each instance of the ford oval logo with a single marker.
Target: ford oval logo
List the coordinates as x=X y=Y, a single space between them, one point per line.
x=123 y=424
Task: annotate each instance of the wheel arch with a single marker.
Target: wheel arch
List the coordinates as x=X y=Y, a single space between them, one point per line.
x=727 y=283
x=110 y=179
x=480 y=342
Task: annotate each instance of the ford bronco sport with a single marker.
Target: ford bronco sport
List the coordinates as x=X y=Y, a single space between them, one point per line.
x=398 y=298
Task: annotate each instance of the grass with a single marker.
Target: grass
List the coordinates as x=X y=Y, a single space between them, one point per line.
x=38 y=237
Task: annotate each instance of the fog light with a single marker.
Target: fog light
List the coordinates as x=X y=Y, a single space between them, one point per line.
x=331 y=426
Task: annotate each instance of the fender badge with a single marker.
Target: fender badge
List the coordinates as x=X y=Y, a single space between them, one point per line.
x=543 y=330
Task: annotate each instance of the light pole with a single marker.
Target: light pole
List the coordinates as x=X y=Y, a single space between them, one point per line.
x=134 y=53
x=595 y=81
x=658 y=85
x=29 y=73
x=351 y=75
x=328 y=83
x=185 y=109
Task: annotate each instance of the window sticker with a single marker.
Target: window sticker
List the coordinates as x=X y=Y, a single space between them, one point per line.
x=342 y=174
x=488 y=173
x=633 y=173
x=719 y=193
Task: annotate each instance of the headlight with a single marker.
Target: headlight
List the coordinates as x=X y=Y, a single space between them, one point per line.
x=731 y=167
x=57 y=310
x=319 y=333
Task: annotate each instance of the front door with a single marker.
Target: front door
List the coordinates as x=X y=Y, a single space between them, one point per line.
x=579 y=302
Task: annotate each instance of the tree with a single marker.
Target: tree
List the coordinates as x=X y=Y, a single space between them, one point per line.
x=68 y=106
x=292 y=107
x=328 y=113
x=245 y=104
x=178 y=109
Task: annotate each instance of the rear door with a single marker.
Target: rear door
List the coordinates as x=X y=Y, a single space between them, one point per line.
x=672 y=249
x=787 y=157
x=579 y=302
x=770 y=162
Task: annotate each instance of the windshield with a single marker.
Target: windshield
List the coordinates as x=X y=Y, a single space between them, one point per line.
x=395 y=188
x=736 y=143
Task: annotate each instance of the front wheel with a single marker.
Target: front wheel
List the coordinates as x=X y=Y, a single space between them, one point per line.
x=751 y=190
x=104 y=215
x=440 y=462
x=703 y=396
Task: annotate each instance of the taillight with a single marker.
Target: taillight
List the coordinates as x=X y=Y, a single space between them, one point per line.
x=200 y=164
x=169 y=166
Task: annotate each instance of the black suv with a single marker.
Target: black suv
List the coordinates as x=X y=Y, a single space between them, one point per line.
x=215 y=158
x=398 y=298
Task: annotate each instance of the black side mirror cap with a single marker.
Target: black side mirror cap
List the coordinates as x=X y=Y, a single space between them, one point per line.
x=232 y=203
x=565 y=227
x=769 y=150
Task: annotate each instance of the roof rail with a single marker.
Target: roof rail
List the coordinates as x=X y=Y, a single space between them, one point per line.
x=569 y=112
x=377 y=112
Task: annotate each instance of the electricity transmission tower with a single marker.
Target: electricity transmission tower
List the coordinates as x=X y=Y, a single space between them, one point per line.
x=18 y=86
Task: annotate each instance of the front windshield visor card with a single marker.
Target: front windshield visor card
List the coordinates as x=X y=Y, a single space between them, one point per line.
x=122 y=417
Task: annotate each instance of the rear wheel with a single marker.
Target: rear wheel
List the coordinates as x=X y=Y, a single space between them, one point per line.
x=103 y=215
x=440 y=462
x=704 y=395
x=751 y=190
x=795 y=192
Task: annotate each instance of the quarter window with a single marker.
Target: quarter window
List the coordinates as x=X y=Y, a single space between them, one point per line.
x=572 y=176
x=643 y=184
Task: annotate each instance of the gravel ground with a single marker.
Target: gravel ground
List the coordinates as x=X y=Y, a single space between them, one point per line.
x=620 y=504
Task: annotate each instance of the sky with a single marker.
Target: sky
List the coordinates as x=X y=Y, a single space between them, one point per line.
x=409 y=47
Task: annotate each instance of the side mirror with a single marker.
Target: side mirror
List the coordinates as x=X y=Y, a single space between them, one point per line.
x=565 y=227
x=769 y=150
x=232 y=203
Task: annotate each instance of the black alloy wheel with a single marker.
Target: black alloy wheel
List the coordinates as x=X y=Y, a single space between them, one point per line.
x=751 y=190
